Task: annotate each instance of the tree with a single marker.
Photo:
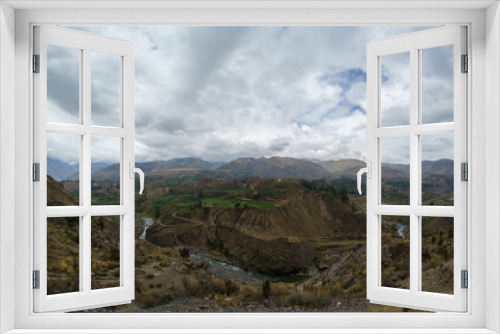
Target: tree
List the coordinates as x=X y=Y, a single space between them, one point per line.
x=266 y=288
x=156 y=213
x=343 y=194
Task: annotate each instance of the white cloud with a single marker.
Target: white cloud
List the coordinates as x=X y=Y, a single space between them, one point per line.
x=64 y=147
x=395 y=89
x=225 y=92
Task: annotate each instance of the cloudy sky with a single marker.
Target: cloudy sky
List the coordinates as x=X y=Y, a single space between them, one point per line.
x=220 y=93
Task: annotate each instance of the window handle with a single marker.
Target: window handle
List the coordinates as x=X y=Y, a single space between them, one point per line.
x=139 y=171
x=368 y=171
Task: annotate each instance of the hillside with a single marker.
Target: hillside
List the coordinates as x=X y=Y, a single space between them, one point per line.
x=57 y=195
x=63 y=246
x=175 y=167
x=343 y=167
x=439 y=167
x=350 y=167
x=275 y=167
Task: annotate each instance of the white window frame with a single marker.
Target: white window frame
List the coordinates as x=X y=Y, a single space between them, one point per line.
x=483 y=248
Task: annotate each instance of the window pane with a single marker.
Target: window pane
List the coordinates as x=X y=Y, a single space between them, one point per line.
x=105 y=89
x=396 y=251
x=437 y=169
x=63 y=84
x=437 y=254
x=395 y=167
x=437 y=84
x=106 y=170
x=63 y=171
x=395 y=89
x=105 y=252
x=63 y=255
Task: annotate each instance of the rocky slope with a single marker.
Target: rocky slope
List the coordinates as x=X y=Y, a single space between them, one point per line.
x=57 y=195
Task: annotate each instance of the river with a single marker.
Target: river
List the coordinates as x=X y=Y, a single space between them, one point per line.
x=402 y=228
x=147 y=223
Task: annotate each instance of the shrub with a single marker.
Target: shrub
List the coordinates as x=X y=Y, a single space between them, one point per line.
x=115 y=254
x=187 y=308
x=307 y=300
x=193 y=288
x=184 y=252
x=115 y=272
x=231 y=287
x=247 y=293
x=280 y=291
x=266 y=288
x=149 y=299
x=139 y=286
x=129 y=308
x=169 y=294
x=219 y=286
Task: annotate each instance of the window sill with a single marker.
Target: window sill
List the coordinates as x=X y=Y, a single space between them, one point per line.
x=251 y=331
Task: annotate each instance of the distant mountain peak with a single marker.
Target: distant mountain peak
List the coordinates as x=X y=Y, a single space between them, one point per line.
x=60 y=170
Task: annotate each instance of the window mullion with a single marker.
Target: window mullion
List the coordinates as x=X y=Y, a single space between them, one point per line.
x=414 y=171
x=86 y=106
x=85 y=170
x=85 y=257
x=81 y=230
x=373 y=183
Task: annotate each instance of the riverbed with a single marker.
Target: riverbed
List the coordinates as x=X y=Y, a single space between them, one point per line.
x=220 y=268
x=223 y=269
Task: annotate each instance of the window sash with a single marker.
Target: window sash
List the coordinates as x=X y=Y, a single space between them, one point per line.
x=414 y=298
x=85 y=298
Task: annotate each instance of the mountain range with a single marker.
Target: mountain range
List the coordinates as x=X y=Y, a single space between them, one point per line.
x=273 y=168
x=60 y=170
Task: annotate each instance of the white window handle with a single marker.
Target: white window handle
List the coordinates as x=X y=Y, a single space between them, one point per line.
x=368 y=171
x=139 y=171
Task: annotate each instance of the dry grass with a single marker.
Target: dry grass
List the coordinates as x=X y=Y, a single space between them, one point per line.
x=307 y=300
